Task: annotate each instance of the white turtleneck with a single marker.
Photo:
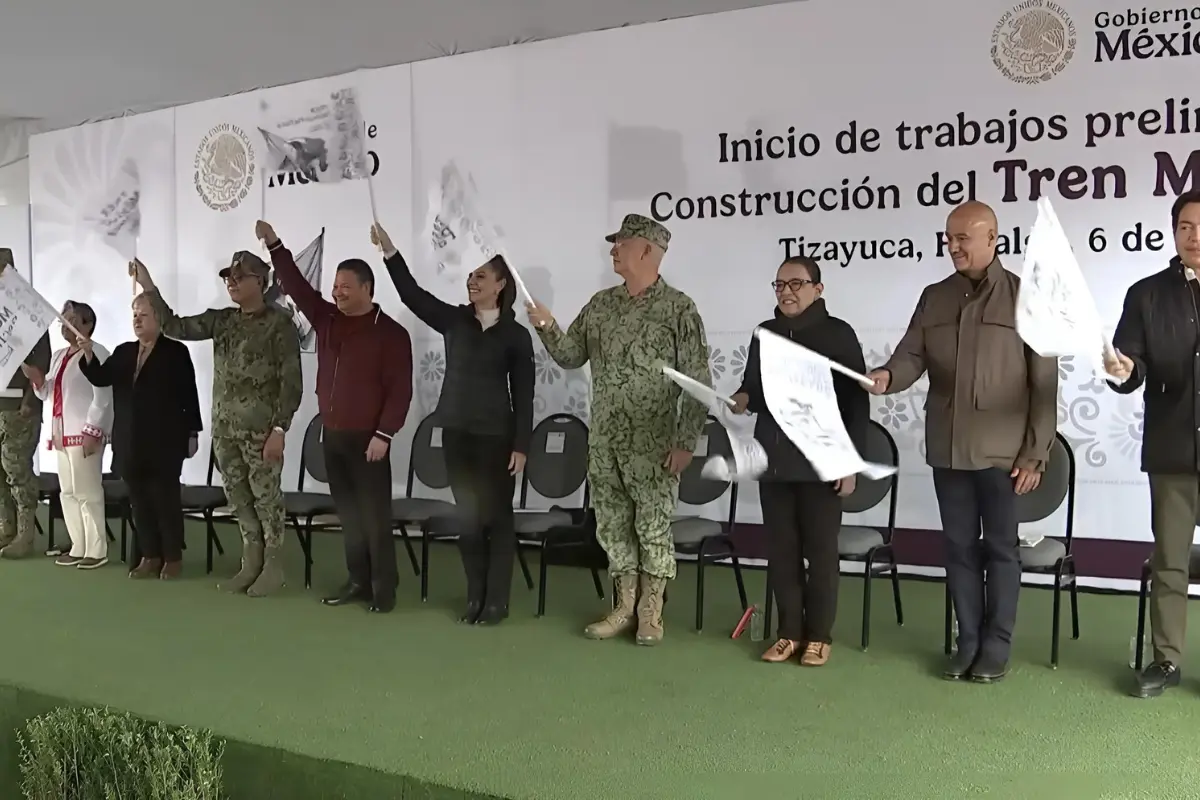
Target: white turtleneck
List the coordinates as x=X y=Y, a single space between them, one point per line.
x=487 y=317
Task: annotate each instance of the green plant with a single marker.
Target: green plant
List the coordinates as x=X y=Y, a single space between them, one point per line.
x=99 y=754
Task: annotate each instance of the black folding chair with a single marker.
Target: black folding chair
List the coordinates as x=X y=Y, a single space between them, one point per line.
x=427 y=464
x=709 y=541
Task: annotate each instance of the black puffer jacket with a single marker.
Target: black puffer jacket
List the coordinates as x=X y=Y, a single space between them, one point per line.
x=833 y=338
x=1160 y=332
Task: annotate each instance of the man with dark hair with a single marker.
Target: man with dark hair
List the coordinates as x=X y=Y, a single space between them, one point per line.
x=364 y=387
x=257 y=386
x=1157 y=345
x=20 y=424
x=992 y=414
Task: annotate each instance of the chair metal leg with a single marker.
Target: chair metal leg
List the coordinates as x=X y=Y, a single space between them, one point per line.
x=1143 y=593
x=543 y=573
x=412 y=556
x=700 y=587
x=524 y=568
x=896 y=591
x=741 y=583
x=125 y=554
x=1055 y=617
x=599 y=584
x=424 y=564
x=210 y=541
x=1074 y=601
x=306 y=538
x=866 y=610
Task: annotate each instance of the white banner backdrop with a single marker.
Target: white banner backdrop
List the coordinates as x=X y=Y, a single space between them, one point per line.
x=222 y=190
x=753 y=135
x=69 y=169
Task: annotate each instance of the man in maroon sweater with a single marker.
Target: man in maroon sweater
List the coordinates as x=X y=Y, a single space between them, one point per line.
x=364 y=386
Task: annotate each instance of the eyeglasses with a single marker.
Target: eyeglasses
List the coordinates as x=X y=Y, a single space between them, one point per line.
x=795 y=284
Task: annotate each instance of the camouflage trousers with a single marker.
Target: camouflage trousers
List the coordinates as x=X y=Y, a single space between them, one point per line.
x=634 y=498
x=252 y=486
x=18 y=485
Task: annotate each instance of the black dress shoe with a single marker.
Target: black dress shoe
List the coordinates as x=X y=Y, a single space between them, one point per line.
x=471 y=615
x=350 y=593
x=988 y=670
x=958 y=668
x=383 y=605
x=492 y=615
x=1157 y=678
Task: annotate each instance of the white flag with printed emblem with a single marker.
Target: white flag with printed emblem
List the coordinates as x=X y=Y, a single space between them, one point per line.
x=322 y=138
x=24 y=317
x=798 y=389
x=748 y=460
x=116 y=215
x=1056 y=313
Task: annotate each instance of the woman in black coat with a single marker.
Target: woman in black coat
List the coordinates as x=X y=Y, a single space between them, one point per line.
x=156 y=423
x=486 y=414
x=803 y=514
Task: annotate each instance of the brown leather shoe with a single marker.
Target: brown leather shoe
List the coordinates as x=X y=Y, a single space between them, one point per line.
x=147 y=568
x=815 y=654
x=781 y=651
x=171 y=570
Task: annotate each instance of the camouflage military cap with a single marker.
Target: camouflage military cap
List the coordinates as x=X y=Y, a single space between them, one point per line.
x=246 y=263
x=635 y=225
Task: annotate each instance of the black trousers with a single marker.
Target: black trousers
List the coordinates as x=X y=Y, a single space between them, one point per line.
x=802 y=522
x=984 y=579
x=362 y=494
x=154 y=497
x=483 y=495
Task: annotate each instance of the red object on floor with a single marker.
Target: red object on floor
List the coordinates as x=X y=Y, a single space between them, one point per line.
x=741 y=626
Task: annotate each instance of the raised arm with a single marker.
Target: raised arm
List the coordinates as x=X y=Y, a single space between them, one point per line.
x=186 y=393
x=520 y=383
x=286 y=346
x=397 y=383
x=907 y=364
x=197 y=328
x=100 y=410
x=104 y=373
x=691 y=358
x=435 y=313
x=1130 y=340
x=568 y=348
x=307 y=299
x=1042 y=422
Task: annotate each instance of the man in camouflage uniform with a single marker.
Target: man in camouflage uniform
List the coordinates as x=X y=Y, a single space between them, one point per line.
x=257 y=386
x=643 y=433
x=20 y=425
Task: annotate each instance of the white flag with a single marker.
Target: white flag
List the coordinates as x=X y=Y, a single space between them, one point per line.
x=749 y=460
x=458 y=236
x=798 y=389
x=322 y=138
x=116 y=216
x=1056 y=314
x=24 y=317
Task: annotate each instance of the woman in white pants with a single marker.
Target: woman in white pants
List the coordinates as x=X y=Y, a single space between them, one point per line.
x=80 y=422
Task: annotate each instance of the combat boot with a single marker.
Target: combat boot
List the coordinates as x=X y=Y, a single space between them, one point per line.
x=270 y=580
x=621 y=619
x=252 y=566
x=22 y=545
x=649 y=610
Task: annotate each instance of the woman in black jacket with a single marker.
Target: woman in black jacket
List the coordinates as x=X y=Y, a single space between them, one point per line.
x=486 y=414
x=156 y=423
x=801 y=513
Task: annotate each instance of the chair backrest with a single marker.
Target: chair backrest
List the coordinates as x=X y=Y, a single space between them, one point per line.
x=312 y=454
x=556 y=465
x=1057 y=485
x=427 y=459
x=880 y=449
x=694 y=488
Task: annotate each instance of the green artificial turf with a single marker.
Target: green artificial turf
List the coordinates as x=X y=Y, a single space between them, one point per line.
x=533 y=710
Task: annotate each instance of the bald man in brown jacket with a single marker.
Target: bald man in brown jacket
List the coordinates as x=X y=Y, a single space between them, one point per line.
x=990 y=422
